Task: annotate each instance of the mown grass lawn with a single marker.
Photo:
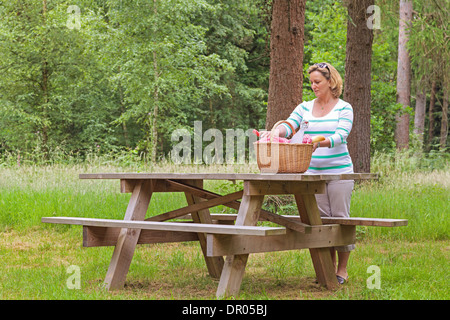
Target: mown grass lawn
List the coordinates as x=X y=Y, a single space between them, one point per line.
x=35 y=265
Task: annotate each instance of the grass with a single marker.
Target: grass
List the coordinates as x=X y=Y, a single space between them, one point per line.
x=37 y=261
x=413 y=260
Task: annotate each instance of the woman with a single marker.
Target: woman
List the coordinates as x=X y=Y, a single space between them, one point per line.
x=331 y=117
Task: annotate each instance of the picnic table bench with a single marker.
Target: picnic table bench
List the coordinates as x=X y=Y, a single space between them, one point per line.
x=234 y=236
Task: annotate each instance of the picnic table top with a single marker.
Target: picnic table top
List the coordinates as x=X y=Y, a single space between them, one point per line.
x=232 y=176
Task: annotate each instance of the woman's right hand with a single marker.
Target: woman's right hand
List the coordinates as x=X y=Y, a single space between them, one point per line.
x=264 y=134
x=280 y=131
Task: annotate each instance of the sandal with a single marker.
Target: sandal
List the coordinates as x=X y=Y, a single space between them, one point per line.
x=341 y=280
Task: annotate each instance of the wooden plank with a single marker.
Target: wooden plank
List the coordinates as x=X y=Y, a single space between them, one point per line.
x=126 y=243
x=359 y=176
x=289 y=222
x=351 y=221
x=107 y=236
x=292 y=224
x=168 y=226
x=202 y=215
x=284 y=187
x=372 y=222
x=215 y=217
x=234 y=267
x=192 y=189
x=319 y=237
x=127 y=185
x=321 y=257
x=195 y=207
x=230 y=176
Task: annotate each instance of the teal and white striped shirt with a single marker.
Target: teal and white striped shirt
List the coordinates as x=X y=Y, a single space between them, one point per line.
x=336 y=126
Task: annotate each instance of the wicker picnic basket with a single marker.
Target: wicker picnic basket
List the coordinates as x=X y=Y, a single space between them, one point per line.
x=292 y=157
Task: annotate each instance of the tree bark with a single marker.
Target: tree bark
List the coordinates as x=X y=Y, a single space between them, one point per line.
x=358 y=81
x=122 y=110
x=419 y=113
x=45 y=92
x=444 y=121
x=155 y=115
x=286 y=59
x=153 y=121
x=430 y=114
x=403 y=76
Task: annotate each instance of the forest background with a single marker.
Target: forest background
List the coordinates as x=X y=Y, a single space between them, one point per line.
x=118 y=77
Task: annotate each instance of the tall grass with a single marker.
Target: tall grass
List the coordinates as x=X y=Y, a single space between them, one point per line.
x=421 y=195
x=410 y=187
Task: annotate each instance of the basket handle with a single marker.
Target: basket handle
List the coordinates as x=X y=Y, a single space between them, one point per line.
x=277 y=124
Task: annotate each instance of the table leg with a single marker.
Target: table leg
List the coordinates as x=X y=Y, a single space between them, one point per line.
x=214 y=264
x=321 y=257
x=234 y=267
x=126 y=243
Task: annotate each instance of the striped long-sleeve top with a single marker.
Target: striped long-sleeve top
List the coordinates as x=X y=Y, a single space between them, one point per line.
x=336 y=126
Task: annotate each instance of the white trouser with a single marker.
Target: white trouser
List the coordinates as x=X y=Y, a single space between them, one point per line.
x=335 y=202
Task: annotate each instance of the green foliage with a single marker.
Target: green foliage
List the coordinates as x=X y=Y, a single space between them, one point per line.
x=325 y=34
x=133 y=69
x=133 y=72
x=326 y=30
x=51 y=96
x=429 y=40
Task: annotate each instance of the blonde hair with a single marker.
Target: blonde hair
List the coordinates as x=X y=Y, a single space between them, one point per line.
x=330 y=73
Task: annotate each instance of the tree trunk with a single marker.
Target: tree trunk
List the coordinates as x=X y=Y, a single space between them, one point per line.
x=419 y=113
x=403 y=76
x=444 y=121
x=45 y=92
x=153 y=122
x=286 y=59
x=122 y=110
x=430 y=114
x=358 y=81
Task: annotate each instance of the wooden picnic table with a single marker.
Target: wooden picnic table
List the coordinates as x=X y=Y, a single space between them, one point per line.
x=223 y=235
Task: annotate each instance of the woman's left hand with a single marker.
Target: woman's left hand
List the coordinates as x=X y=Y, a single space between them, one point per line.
x=315 y=146
x=324 y=143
